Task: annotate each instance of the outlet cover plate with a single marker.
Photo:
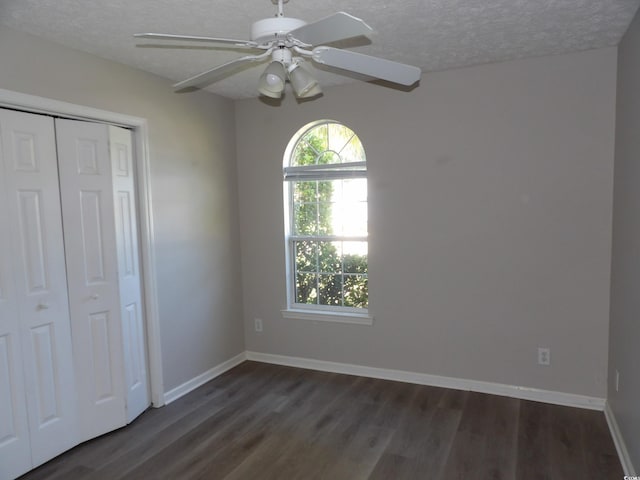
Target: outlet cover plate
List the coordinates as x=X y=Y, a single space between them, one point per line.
x=544 y=356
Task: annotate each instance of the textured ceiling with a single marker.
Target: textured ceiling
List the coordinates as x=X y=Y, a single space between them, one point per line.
x=431 y=34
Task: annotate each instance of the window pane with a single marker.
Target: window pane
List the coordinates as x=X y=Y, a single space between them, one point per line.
x=324 y=191
x=305 y=191
x=356 y=291
x=328 y=157
x=325 y=208
x=353 y=151
x=316 y=138
x=330 y=288
x=341 y=207
x=326 y=223
x=339 y=136
x=310 y=147
x=349 y=219
x=306 y=153
x=306 y=219
x=355 y=257
x=330 y=257
x=350 y=210
x=355 y=189
x=306 y=256
x=306 y=288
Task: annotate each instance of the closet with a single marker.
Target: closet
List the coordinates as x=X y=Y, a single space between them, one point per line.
x=72 y=342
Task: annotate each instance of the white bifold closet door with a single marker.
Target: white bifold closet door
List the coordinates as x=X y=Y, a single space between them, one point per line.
x=72 y=343
x=90 y=244
x=99 y=216
x=38 y=416
x=129 y=277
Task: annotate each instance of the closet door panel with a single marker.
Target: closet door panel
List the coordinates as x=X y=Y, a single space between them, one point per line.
x=137 y=387
x=40 y=288
x=15 y=448
x=32 y=239
x=87 y=201
x=8 y=392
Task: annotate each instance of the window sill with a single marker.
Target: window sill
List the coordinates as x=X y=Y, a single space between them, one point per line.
x=337 y=317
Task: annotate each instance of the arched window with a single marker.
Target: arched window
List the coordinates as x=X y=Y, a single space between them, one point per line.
x=325 y=189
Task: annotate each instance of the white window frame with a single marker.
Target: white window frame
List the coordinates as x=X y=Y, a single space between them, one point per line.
x=315 y=312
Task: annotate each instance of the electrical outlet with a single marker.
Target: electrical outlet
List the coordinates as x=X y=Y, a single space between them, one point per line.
x=258 y=324
x=544 y=356
x=617 y=381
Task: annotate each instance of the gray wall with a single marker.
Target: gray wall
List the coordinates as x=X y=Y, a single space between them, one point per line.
x=490 y=194
x=624 y=340
x=193 y=183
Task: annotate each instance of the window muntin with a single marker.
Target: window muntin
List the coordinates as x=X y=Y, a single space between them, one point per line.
x=326 y=195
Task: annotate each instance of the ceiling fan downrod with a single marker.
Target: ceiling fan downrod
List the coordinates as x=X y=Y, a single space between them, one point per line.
x=280 y=4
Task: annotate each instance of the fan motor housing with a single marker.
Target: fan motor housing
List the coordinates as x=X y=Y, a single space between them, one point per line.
x=270 y=29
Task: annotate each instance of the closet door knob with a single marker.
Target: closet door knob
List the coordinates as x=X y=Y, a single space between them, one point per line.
x=95 y=296
x=42 y=306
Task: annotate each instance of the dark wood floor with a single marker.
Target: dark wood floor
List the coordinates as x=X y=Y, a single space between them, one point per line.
x=263 y=422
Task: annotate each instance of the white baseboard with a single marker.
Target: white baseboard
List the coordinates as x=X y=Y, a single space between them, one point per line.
x=525 y=393
x=203 y=378
x=619 y=442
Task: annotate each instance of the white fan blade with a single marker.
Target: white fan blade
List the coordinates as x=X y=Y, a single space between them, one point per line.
x=190 y=38
x=372 y=66
x=335 y=27
x=215 y=73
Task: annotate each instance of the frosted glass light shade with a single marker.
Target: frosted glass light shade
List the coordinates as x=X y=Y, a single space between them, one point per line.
x=271 y=82
x=304 y=85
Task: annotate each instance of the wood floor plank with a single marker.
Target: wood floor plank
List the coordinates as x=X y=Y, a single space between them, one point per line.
x=353 y=445
x=533 y=442
x=467 y=449
x=302 y=437
x=600 y=451
x=221 y=427
x=219 y=402
x=414 y=423
x=396 y=467
x=567 y=458
x=317 y=411
x=453 y=399
x=308 y=415
x=357 y=452
x=394 y=396
x=437 y=444
x=433 y=448
x=270 y=422
x=500 y=438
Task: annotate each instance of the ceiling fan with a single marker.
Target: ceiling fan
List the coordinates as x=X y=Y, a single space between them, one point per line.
x=287 y=42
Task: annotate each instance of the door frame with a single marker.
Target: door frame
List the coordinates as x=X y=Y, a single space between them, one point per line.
x=36 y=104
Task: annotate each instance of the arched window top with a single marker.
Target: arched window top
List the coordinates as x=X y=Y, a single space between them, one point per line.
x=324 y=149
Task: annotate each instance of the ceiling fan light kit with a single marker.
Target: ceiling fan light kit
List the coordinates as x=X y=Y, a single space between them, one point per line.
x=287 y=41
